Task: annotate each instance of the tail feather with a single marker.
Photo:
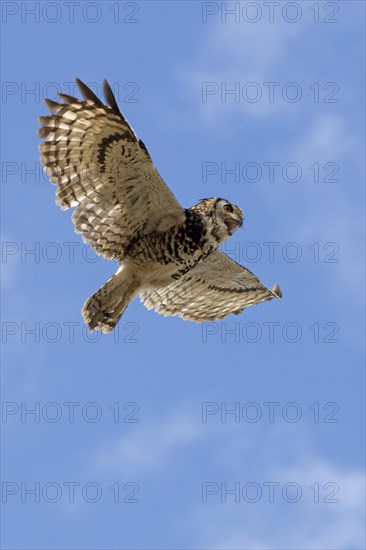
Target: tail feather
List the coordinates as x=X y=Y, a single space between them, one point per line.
x=103 y=310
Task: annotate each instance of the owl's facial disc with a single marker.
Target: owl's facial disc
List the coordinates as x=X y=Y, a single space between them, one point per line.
x=232 y=216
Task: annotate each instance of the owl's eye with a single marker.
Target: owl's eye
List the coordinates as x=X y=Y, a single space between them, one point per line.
x=228 y=208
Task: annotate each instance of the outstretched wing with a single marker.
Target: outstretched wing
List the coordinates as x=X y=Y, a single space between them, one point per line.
x=211 y=290
x=100 y=166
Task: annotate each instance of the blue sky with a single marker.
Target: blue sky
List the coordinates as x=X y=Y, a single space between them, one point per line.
x=142 y=416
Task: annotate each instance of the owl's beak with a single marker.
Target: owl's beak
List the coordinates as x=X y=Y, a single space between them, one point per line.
x=239 y=219
x=232 y=224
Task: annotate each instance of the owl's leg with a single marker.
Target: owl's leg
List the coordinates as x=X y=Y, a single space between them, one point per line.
x=103 y=310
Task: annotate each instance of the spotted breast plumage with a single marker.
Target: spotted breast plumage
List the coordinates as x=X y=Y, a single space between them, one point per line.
x=167 y=254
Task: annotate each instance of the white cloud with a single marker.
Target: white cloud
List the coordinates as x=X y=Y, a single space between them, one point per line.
x=313 y=526
x=232 y=53
x=330 y=212
x=242 y=456
x=326 y=137
x=151 y=444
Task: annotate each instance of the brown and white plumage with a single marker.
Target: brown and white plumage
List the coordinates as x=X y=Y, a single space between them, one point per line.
x=101 y=167
x=211 y=290
x=125 y=211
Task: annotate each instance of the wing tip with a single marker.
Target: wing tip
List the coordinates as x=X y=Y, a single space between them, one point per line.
x=109 y=97
x=51 y=105
x=87 y=93
x=277 y=290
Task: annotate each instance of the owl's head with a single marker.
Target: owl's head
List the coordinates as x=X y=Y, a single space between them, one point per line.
x=226 y=215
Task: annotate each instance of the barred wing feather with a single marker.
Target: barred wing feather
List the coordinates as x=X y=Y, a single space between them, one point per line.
x=210 y=291
x=100 y=167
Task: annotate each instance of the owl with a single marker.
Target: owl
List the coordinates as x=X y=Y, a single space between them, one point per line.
x=167 y=254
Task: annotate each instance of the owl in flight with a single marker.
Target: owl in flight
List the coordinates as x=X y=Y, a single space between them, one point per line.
x=166 y=253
